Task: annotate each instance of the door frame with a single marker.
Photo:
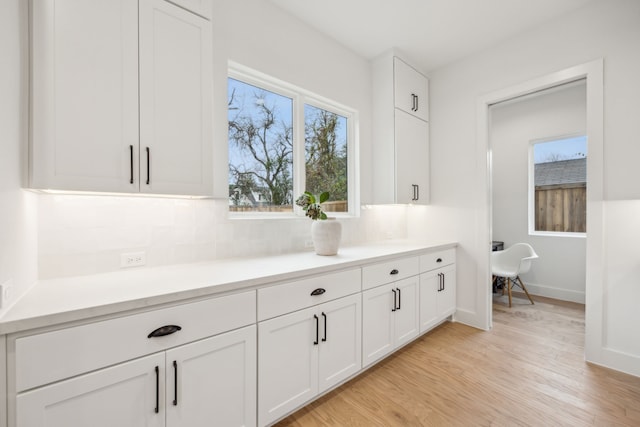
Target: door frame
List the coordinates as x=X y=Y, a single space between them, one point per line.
x=593 y=73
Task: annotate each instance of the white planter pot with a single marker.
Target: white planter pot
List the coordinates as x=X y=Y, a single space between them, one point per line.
x=326 y=236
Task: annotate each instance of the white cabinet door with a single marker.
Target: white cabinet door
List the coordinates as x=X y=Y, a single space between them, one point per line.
x=410 y=90
x=377 y=323
x=127 y=395
x=213 y=381
x=430 y=282
x=412 y=159
x=340 y=348
x=84 y=92
x=407 y=314
x=175 y=100
x=447 y=296
x=287 y=363
x=437 y=296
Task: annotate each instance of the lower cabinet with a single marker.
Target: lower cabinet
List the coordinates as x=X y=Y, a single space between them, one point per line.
x=124 y=395
x=213 y=381
x=207 y=382
x=437 y=296
x=390 y=316
x=304 y=353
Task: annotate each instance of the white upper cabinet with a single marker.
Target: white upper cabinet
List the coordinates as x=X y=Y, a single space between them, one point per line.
x=400 y=133
x=175 y=100
x=111 y=78
x=84 y=89
x=411 y=92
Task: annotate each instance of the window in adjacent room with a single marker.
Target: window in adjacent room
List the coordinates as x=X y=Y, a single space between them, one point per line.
x=283 y=141
x=558 y=196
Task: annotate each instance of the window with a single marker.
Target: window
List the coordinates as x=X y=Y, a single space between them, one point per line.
x=284 y=141
x=558 y=201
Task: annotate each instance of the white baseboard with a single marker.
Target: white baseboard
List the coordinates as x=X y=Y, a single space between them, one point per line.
x=555 y=293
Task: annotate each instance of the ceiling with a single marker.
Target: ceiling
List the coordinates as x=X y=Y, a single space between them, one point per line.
x=431 y=32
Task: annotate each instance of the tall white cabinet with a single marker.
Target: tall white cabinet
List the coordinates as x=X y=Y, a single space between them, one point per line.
x=121 y=96
x=401 y=132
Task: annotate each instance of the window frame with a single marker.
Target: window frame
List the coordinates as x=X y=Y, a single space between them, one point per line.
x=532 y=188
x=301 y=97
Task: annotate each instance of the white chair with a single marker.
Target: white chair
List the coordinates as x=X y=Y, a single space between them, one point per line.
x=510 y=263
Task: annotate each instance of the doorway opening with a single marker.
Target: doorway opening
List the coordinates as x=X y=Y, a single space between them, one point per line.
x=539 y=184
x=593 y=73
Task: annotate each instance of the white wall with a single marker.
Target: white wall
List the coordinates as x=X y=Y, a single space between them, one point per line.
x=18 y=249
x=560 y=270
x=609 y=30
x=86 y=234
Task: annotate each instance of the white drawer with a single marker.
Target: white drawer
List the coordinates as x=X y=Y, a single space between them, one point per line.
x=52 y=356
x=280 y=299
x=437 y=259
x=389 y=271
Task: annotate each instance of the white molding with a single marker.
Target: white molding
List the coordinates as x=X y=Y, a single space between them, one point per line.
x=555 y=293
x=3 y=381
x=593 y=73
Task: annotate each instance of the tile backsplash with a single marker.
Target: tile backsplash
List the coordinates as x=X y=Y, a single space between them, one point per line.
x=80 y=235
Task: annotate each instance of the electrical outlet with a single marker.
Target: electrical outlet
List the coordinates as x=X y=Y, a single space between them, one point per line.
x=6 y=293
x=133 y=259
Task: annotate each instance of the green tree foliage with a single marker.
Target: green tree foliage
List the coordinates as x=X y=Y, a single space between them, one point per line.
x=326 y=154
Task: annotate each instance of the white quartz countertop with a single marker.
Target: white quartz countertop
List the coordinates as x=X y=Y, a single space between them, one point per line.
x=62 y=300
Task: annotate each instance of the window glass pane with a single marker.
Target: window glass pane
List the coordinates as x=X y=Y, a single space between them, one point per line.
x=260 y=149
x=326 y=156
x=560 y=181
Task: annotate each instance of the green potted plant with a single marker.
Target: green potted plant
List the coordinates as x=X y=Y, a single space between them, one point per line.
x=325 y=234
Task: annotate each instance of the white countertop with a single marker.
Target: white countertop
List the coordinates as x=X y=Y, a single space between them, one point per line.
x=56 y=301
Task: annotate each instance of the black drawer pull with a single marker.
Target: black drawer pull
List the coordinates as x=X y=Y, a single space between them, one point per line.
x=439 y=260
x=318 y=291
x=394 y=272
x=164 y=330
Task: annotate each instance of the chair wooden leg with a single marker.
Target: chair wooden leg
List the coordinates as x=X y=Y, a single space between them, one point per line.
x=509 y=289
x=524 y=288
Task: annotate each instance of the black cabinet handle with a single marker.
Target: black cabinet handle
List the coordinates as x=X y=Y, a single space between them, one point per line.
x=131 y=163
x=417 y=103
x=394 y=272
x=164 y=330
x=175 y=383
x=157 y=408
x=439 y=260
x=399 y=297
x=325 y=327
x=148 y=165
x=443 y=282
x=395 y=301
x=416 y=192
x=318 y=291
x=317 y=329
x=414 y=102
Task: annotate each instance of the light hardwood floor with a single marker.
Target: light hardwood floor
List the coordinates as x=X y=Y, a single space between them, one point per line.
x=528 y=371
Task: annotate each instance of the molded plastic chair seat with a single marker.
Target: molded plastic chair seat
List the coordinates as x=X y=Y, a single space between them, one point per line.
x=512 y=262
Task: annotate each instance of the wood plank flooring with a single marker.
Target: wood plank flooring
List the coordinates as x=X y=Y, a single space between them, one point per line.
x=528 y=371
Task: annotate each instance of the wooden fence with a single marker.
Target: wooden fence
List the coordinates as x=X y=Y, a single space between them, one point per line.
x=561 y=208
x=335 y=206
